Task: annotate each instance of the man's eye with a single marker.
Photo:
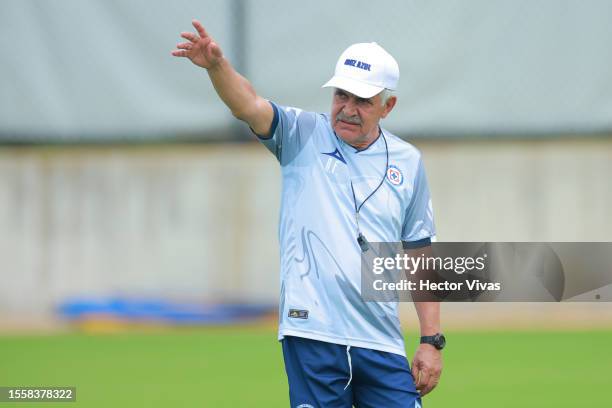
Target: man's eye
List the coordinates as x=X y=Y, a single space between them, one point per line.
x=364 y=101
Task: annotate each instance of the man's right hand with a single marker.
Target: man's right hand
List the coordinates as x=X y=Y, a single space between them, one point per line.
x=233 y=89
x=200 y=49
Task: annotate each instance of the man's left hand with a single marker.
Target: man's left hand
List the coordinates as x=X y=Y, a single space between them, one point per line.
x=426 y=368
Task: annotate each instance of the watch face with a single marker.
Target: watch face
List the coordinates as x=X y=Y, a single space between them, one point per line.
x=440 y=341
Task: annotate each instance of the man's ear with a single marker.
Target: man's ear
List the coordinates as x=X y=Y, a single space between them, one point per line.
x=389 y=105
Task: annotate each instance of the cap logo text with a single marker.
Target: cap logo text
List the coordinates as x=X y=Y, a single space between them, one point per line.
x=357 y=64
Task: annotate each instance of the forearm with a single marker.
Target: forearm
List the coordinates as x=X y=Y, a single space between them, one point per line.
x=233 y=89
x=428 y=312
x=429 y=317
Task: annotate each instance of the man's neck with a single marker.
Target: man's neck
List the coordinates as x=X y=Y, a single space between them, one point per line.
x=369 y=141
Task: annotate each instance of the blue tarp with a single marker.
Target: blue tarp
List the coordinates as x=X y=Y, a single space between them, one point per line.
x=162 y=311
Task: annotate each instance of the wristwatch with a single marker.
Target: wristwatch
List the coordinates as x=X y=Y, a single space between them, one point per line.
x=437 y=340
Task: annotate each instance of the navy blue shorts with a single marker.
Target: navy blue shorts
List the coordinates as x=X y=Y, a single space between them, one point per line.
x=318 y=374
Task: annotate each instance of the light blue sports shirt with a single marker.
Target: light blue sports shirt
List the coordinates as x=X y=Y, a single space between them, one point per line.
x=320 y=267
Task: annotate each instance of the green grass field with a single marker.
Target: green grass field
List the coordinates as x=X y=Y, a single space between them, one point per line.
x=242 y=367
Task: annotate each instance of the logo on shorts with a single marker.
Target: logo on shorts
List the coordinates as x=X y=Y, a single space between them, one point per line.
x=394 y=175
x=298 y=314
x=304 y=406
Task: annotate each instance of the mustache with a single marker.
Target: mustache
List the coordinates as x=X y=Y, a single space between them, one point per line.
x=350 y=119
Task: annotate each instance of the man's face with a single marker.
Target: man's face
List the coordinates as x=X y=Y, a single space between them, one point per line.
x=355 y=120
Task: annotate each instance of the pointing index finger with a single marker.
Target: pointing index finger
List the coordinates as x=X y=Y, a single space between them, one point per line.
x=200 y=29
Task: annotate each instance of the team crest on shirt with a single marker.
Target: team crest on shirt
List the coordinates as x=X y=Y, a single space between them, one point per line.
x=394 y=175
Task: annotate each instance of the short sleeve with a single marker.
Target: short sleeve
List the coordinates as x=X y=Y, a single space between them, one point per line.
x=290 y=131
x=418 y=224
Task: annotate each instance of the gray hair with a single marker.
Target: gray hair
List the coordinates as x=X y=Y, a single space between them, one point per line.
x=385 y=94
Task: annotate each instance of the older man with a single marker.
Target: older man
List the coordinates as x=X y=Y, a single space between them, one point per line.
x=346 y=181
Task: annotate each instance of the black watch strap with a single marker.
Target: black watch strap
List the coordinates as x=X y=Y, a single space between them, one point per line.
x=437 y=340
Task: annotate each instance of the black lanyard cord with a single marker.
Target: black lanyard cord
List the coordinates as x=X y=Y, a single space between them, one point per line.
x=361 y=239
x=358 y=208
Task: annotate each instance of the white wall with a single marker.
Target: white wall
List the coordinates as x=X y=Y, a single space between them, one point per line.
x=200 y=222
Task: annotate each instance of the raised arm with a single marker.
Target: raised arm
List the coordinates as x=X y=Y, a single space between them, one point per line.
x=233 y=89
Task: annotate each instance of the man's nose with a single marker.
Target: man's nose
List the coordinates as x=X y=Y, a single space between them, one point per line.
x=350 y=108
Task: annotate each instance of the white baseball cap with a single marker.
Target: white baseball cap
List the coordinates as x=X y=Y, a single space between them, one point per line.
x=365 y=69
